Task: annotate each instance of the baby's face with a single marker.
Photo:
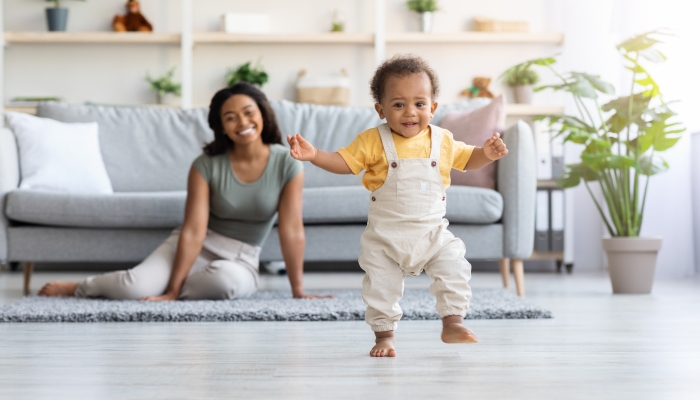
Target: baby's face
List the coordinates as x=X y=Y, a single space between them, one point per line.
x=407 y=104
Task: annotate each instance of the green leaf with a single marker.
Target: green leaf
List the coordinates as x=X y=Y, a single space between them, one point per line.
x=652 y=165
x=574 y=173
x=596 y=82
x=653 y=55
x=543 y=62
x=582 y=88
x=245 y=73
x=642 y=41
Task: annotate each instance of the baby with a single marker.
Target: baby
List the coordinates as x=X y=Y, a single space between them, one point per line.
x=407 y=166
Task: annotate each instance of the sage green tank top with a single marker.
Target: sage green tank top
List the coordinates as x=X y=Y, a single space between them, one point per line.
x=246 y=211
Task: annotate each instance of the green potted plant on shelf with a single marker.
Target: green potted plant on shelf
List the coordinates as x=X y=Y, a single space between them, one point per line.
x=425 y=9
x=164 y=87
x=245 y=73
x=57 y=17
x=621 y=140
x=521 y=79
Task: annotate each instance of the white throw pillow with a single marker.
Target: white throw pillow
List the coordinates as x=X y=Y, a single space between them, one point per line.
x=59 y=156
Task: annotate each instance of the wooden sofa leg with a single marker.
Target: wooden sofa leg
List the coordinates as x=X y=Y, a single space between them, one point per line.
x=28 y=268
x=519 y=274
x=504 y=264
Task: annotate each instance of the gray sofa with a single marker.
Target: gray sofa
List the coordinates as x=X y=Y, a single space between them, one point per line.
x=148 y=151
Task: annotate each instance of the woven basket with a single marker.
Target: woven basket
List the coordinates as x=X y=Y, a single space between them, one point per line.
x=329 y=90
x=482 y=24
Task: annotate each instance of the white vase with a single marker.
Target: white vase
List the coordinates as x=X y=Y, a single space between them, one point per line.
x=426 y=22
x=522 y=94
x=631 y=262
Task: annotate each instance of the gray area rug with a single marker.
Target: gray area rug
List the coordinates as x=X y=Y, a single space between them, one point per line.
x=417 y=304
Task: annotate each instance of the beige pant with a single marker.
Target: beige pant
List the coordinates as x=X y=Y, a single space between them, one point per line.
x=225 y=269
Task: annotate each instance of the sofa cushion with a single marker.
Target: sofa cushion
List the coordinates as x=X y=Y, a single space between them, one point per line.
x=118 y=210
x=144 y=148
x=350 y=204
x=475 y=127
x=473 y=205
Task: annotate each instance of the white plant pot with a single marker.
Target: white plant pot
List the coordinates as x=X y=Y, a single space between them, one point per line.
x=522 y=94
x=426 y=22
x=168 y=100
x=631 y=262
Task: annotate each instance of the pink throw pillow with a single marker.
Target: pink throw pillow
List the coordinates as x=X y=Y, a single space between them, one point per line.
x=474 y=127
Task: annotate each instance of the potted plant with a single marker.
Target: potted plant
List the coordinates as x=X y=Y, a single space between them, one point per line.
x=164 y=87
x=521 y=79
x=57 y=17
x=621 y=141
x=245 y=73
x=425 y=8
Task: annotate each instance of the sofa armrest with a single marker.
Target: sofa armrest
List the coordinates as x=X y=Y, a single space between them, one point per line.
x=9 y=180
x=517 y=183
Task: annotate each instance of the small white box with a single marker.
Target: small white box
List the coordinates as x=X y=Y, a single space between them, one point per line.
x=245 y=23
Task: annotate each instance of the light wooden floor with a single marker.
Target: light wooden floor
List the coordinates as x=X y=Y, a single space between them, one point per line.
x=598 y=346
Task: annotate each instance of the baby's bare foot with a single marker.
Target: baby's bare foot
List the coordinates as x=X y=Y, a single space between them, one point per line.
x=384 y=346
x=58 y=289
x=454 y=332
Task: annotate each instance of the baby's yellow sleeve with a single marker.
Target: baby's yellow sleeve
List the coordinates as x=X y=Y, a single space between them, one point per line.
x=357 y=153
x=461 y=153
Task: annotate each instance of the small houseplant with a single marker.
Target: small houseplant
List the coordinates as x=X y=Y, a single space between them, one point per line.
x=621 y=141
x=425 y=9
x=245 y=73
x=57 y=17
x=164 y=86
x=521 y=79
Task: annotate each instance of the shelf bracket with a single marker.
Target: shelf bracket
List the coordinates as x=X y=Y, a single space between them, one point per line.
x=186 y=45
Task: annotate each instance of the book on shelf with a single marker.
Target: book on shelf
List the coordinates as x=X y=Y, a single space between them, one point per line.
x=542 y=221
x=549 y=220
x=550 y=153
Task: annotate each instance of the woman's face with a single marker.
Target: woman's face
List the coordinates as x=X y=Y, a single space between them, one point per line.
x=242 y=119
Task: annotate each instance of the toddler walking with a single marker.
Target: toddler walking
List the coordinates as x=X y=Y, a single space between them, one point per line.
x=407 y=166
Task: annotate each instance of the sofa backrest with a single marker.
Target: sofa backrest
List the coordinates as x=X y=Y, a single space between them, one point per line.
x=149 y=149
x=145 y=149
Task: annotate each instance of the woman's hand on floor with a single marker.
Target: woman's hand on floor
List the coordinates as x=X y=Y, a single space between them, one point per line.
x=162 y=297
x=312 y=296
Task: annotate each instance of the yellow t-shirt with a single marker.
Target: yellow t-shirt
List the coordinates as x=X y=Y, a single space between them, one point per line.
x=366 y=153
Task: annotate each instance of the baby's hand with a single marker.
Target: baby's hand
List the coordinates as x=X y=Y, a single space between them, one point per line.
x=494 y=148
x=300 y=148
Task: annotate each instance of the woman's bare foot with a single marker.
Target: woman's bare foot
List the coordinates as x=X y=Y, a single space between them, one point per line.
x=384 y=346
x=454 y=332
x=58 y=289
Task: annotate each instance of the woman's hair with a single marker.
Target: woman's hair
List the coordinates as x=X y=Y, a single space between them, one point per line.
x=401 y=65
x=222 y=143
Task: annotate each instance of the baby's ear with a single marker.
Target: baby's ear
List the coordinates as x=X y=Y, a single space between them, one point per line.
x=380 y=110
x=433 y=107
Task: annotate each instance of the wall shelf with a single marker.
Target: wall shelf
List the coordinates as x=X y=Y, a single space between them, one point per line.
x=283 y=38
x=279 y=38
x=92 y=37
x=530 y=110
x=475 y=37
x=547 y=184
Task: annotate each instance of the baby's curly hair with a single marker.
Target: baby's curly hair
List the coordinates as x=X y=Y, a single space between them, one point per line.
x=401 y=65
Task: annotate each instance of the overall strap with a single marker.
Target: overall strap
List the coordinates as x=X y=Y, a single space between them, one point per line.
x=435 y=142
x=388 y=142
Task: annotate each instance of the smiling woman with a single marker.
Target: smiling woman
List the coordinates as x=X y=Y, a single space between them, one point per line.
x=237 y=189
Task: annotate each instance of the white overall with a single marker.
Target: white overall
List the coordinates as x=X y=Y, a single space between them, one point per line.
x=406 y=233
